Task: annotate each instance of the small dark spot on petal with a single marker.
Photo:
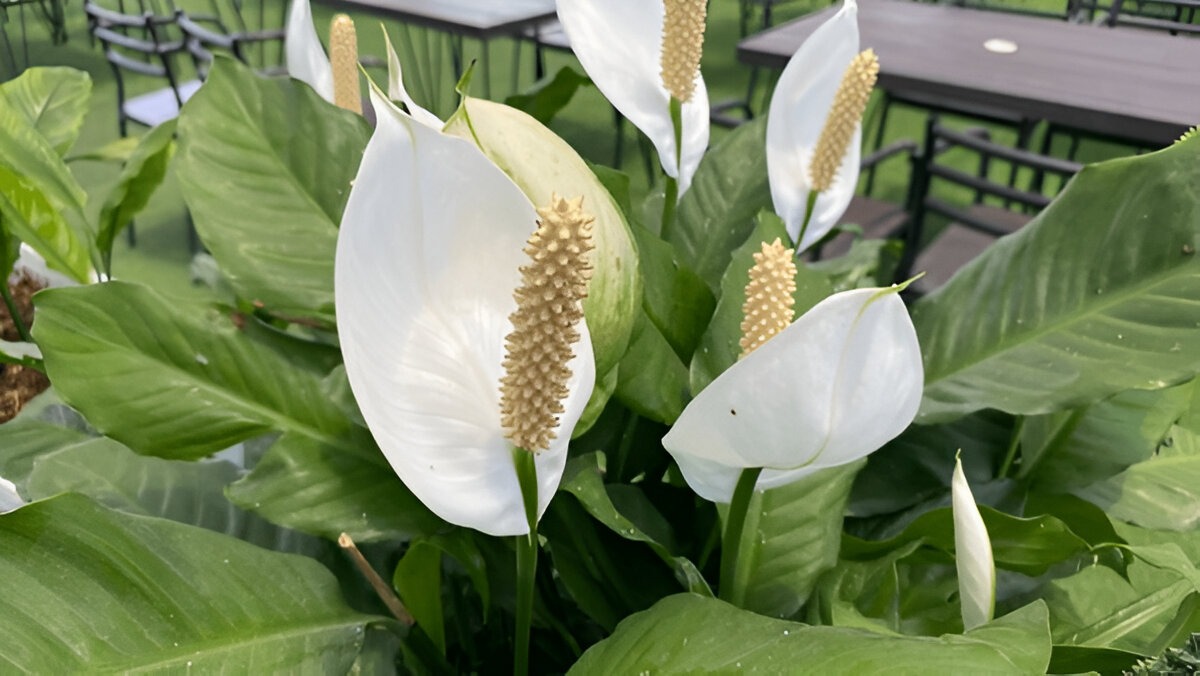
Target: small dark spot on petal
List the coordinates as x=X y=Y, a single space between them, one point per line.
x=732 y=412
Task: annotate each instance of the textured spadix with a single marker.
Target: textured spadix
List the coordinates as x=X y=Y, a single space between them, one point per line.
x=306 y=60
x=972 y=554
x=428 y=257
x=845 y=116
x=683 y=45
x=769 y=306
x=619 y=43
x=834 y=386
x=343 y=56
x=799 y=108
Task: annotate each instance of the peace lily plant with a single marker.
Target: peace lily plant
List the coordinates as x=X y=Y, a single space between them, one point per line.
x=545 y=431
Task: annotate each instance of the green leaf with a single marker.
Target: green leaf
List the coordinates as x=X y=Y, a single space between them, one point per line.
x=265 y=167
x=326 y=488
x=720 y=347
x=869 y=262
x=792 y=535
x=53 y=100
x=1084 y=302
x=170 y=598
x=583 y=479
x=546 y=97
x=169 y=382
x=651 y=379
x=1029 y=546
x=23 y=441
x=143 y=172
x=673 y=297
x=418 y=579
x=684 y=634
x=716 y=214
x=1162 y=492
x=41 y=203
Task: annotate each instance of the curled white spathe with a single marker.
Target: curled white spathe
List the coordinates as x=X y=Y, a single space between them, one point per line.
x=10 y=500
x=799 y=107
x=427 y=260
x=833 y=387
x=619 y=44
x=972 y=554
x=306 y=59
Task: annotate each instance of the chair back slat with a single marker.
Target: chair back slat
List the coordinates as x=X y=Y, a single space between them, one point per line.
x=1172 y=16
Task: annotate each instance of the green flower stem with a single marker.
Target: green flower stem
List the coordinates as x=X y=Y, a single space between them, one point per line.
x=808 y=212
x=735 y=521
x=527 y=546
x=1014 y=443
x=14 y=312
x=672 y=185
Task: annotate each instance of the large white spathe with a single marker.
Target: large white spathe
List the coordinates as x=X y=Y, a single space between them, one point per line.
x=306 y=60
x=834 y=386
x=972 y=554
x=797 y=114
x=619 y=44
x=427 y=260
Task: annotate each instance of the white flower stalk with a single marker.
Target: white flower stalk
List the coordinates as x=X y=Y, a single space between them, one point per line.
x=801 y=109
x=430 y=252
x=832 y=387
x=621 y=46
x=10 y=500
x=306 y=60
x=972 y=554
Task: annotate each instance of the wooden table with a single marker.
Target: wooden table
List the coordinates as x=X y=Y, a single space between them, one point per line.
x=1126 y=83
x=481 y=20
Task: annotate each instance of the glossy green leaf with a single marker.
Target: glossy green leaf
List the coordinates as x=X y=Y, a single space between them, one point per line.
x=265 y=167
x=651 y=379
x=545 y=98
x=141 y=175
x=170 y=598
x=583 y=479
x=23 y=441
x=418 y=579
x=1161 y=492
x=41 y=203
x=716 y=214
x=719 y=347
x=326 y=488
x=685 y=634
x=53 y=100
x=792 y=535
x=1084 y=302
x=178 y=382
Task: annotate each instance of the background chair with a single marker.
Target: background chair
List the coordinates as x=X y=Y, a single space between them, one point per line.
x=254 y=38
x=968 y=229
x=1172 y=16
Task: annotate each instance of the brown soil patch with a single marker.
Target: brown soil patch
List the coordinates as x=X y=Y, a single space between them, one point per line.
x=19 y=384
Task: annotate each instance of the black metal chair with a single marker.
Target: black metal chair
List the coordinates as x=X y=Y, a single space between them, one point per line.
x=1173 y=16
x=51 y=13
x=969 y=229
x=256 y=39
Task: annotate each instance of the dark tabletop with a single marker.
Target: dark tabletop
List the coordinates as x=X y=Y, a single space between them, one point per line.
x=481 y=19
x=1124 y=82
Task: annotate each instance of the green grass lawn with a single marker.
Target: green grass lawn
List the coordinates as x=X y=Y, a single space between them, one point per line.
x=162 y=255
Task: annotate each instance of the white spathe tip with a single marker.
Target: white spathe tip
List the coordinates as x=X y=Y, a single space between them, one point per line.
x=972 y=554
x=306 y=59
x=10 y=500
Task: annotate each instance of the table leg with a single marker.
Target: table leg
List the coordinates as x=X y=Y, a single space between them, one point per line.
x=486 y=68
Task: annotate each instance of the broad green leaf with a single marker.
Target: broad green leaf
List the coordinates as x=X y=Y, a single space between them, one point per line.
x=118 y=150
x=1029 y=546
x=546 y=97
x=178 y=382
x=716 y=214
x=326 y=488
x=53 y=100
x=1072 y=449
x=1161 y=492
x=673 y=297
x=170 y=597
x=23 y=441
x=143 y=172
x=582 y=478
x=792 y=535
x=41 y=203
x=651 y=379
x=542 y=164
x=418 y=580
x=1084 y=302
x=265 y=167
x=686 y=634
x=720 y=347
x=869 y=262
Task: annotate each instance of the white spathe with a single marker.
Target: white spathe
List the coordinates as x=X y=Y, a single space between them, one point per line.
x=797 y=114
x=833 y=387
x=397 y=92
x=972 y=554
x=427 y=261
x=9 y=498
x=619 y=44
x=306 y=59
